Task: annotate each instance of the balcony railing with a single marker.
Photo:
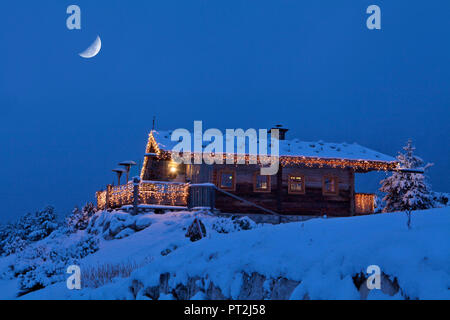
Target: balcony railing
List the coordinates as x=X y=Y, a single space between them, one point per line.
x=121 y=195
x=149 y=192
x=163 y=193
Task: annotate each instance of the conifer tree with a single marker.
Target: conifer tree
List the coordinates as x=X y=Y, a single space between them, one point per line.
x=405 y=190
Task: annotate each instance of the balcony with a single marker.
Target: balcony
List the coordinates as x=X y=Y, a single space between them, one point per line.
x=159 y=193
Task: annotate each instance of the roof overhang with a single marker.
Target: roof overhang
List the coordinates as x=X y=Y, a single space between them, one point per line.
x=359 y=165
x=291 y=161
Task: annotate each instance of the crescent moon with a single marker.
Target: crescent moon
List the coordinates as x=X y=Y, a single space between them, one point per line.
x=93 y=49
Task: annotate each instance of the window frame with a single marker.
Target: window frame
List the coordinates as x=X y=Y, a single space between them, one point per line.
x=336 y=185
x=269 y=185
x=219 y=179
x=290 y=191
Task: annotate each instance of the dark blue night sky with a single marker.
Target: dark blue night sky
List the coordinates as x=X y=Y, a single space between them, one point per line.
x=310 y=65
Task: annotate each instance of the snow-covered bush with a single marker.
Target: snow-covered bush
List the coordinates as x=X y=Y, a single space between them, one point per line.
x=441 y=199
x=30 y=228
x=42 y=265
x=227 y=225
x=196 y=230
x=116 y=224
x=79 y=219
x=407 y=191
x=42 y=224
x=5 y=234
x=14 y=245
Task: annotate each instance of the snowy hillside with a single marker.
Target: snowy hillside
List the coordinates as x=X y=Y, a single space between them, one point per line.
x=316 y=259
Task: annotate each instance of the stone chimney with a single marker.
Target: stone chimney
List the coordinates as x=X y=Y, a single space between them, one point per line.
x=282 y=131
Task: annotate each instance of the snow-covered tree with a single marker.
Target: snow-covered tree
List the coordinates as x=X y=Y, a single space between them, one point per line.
x=441 y=199
x=404 y=190
x=43 y=222
x=79 y=219
x=14 y=237
x=41 y=265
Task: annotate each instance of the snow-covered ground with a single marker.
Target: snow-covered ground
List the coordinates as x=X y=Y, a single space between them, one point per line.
x=319 y=258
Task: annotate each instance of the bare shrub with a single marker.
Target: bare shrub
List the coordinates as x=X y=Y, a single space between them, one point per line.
x=99 y=275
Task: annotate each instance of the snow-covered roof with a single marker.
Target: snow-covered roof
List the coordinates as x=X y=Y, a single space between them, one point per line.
x=296 y=148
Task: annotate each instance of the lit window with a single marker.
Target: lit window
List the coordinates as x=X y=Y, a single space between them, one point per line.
x=330 y=185
x=296 y=184
x=227 y=180
x=261 y=183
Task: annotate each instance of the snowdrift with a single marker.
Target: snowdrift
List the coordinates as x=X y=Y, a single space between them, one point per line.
x=316 y=259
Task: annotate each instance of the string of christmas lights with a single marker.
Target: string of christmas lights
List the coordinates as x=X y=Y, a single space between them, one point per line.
x=149 y=193
x=151 y=143
x=163 y=193
x=101 y=199
x=364 y=202
x=121 y=195
x=285 y=161
x=364 y=165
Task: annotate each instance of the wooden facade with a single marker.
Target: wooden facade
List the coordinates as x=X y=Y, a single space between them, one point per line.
x=314 y=199
x=302 y=186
